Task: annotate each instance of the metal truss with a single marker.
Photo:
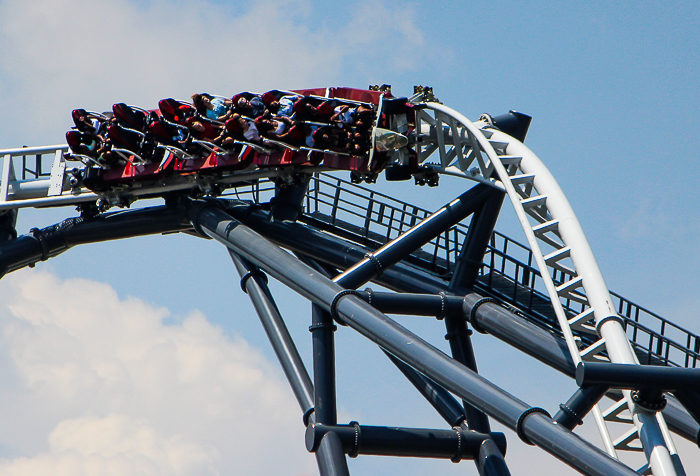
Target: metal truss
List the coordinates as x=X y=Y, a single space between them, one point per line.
x=548 y=300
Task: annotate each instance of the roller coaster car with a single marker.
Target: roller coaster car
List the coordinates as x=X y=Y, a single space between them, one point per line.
x=153 y=144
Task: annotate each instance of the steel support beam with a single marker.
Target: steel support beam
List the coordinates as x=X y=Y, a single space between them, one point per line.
x=532 y=425
x=254 y=283
x=625 y=376
x=323 y=341
x=690 y=399
x=571 y=413
x=441 y=400
x=396 y=250
x=329 y=456
x=455 y=444
x=436 y=305
x=458 y=336
x=471 y=256
x=287 y=204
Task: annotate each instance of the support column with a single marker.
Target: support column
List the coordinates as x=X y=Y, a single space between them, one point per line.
x=288 y=203
x=458 y=335
x=254 y=283
x=322 y=329
x=480 y=231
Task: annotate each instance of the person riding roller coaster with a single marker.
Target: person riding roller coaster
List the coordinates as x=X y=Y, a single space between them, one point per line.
x=89 y=122
x=207 y=131
x=83 y=143
x=243 y=129
x=281 y=129
x=249 y=105
x=276 y=118
x=280 y=103
x=216 y=108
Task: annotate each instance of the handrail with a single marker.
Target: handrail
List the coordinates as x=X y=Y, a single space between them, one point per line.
x=377 y=218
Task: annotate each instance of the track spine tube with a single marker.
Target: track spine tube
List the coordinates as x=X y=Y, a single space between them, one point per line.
x=51 y=241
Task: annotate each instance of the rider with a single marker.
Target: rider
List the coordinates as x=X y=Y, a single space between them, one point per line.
x=216 y=108
x=253 y=107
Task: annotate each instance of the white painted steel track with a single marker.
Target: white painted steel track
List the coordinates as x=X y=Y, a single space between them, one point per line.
x=480 y=152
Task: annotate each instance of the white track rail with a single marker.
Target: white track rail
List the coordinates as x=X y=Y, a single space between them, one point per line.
x=559 y=245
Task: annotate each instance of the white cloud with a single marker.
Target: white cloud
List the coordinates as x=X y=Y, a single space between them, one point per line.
x=114 y=445
x=113 y=390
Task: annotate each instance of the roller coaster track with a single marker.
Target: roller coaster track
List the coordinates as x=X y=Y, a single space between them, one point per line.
x=553 y=283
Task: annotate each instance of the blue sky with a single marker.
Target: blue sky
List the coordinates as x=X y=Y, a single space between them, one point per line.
x=612 y=88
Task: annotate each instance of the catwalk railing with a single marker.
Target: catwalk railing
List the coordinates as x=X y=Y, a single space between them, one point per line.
x=371 y=218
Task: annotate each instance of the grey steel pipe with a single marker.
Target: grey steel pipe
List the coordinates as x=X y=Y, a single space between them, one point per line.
x=490 y=461
x=396 y=250
x=530 y=423
x=571 y=413
x=436 y=305
x=329 y=457
x=254 y=284
x=455 y=444
x=519 y=333
x=323 y=342
x=441 y=400
x=625 y=376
